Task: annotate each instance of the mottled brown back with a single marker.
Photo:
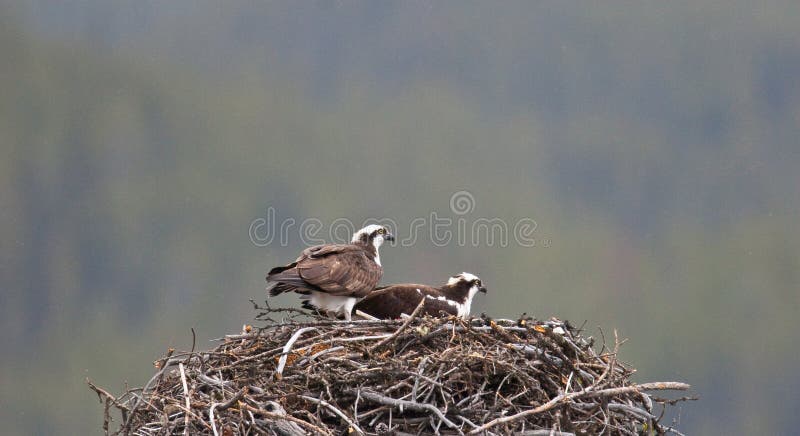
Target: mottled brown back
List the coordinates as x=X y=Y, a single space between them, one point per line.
x=336 y=269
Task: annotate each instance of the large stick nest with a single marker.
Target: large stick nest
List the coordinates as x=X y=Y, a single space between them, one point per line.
x=302 y=375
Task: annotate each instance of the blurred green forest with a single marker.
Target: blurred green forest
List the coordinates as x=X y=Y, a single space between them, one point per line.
x=654 y=144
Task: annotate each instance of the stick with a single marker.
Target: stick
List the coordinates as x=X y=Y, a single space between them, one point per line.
x=104 y=393
x=185 y=396
x=410 y=405
x=402 y=327
x=184 y=409
x=211 y=419
x=277 y=416
x=545 y=433
x=362 y=338
x=109 y=400
x=287 y=348
x=333 y=409
x=223 y=406
x=586 y=393
x=641 y=413
x=613 y=357
x=366 y=316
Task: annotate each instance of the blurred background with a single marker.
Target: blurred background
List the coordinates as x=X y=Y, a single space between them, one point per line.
x=654 y=144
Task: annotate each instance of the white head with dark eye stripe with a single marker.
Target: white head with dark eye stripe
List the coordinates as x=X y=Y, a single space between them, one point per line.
x=373 y=234
x=465 y=285
x=460 y=289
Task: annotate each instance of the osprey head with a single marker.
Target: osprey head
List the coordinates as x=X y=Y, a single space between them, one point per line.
x=466 y=283
x=373 y=234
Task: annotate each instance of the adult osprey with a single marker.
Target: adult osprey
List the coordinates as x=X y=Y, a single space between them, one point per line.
x=333 y=277
x=454 y=298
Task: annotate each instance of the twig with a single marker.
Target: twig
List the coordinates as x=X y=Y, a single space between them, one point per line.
x=287 y=348
x=363 y=338
x=410 y=405
x=545 y=433
x=223 y=406
x=641 y=413
x=104 y=393
x=569 y=382
x=672 y=402
x=333 y=409
x=276 y=416
x=613 y=357
x=106 y=399
x=188 y=412
x=211 y=419
x=586 y=393
x=672 y=430
x=186 y=396
x=402 y=328
x=366 y=316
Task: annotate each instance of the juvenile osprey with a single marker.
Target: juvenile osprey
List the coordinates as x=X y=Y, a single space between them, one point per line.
x=454 y=298
x=333 y=277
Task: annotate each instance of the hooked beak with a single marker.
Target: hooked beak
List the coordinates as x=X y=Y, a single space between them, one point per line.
x=482 y=289
x=389 y=237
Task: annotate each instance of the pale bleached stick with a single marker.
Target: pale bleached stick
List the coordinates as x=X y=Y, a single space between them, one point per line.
x=288 y=347
x=223 y=406
x=362 y=338
x=333 y=409
x=276 y=416
x=545 y=433
x=211 y=418
x=366 y=316
x=410 y=405
x=186 y=397
x=586 y=393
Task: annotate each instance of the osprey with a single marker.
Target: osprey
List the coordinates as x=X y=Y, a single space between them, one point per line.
x=454 y=298
x=333 y=277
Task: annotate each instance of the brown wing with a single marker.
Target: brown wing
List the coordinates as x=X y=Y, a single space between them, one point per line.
x=327 y=249
x=339 y=269
x=391 y=301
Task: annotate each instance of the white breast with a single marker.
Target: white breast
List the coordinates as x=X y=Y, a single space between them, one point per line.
x=338 y=304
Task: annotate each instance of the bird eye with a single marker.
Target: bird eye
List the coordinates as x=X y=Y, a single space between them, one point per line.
x=478 y=282
x=381 y=231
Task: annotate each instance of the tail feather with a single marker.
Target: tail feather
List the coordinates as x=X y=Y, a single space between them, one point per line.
x=277 y=288
x=287 y=275
x=306 y=304
x=280 y=269
x=283 y=279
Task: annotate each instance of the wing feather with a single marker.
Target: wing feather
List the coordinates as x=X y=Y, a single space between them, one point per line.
x=341 y=272
x=390 y=302
x=337 y=269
